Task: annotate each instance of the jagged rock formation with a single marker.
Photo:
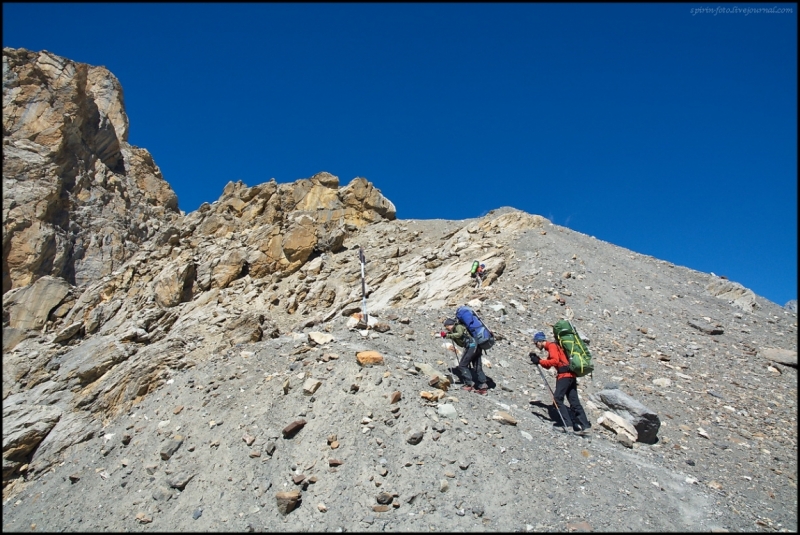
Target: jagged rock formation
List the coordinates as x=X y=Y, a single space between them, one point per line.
x=78 y=200
x=203 y=355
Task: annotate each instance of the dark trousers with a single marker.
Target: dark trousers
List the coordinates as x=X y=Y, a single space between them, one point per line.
x=472 y=355
x=568 y=386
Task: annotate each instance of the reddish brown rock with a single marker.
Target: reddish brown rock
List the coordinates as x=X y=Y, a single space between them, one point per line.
x=292 y=429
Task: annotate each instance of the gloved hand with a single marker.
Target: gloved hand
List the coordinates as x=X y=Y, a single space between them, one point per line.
x=534 y=357
x=442 y=334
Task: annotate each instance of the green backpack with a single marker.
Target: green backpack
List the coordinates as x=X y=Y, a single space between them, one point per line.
x=474 y=268
x=580 y=360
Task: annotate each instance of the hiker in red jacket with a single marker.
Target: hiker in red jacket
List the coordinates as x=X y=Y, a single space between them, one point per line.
x=566 y=383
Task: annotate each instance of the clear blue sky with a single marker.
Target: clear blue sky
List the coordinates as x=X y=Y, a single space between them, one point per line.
x=669 y=133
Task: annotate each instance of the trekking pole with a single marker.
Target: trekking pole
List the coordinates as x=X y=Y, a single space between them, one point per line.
x=458 y=358
x=553 y=397
x=363 y=286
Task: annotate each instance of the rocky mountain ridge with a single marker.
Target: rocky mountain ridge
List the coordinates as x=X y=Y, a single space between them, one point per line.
x=208 y=371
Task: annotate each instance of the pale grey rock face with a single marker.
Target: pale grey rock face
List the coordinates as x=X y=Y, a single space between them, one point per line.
x=30 y=307
x=791 y=306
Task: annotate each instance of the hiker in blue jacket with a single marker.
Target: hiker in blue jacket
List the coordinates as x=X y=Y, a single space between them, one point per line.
x=458 y=333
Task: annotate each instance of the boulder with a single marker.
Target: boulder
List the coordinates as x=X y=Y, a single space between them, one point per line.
x=318 y=338
x=287 y=501
x=67 y=332
x=446 y=410
x=30 y=307
x=245 y=328
x=25 y=426
x=73 y=428
x=781 y=356
x=504 y=418
x=174 y=284
x=369 y=358
x=229 y=267
x=619 y=425
x=643 y=419
x=88 y=361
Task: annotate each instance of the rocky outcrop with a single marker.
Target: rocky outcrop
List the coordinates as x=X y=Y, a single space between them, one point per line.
x=734 y=293
x=78 y=200
x=279 y=227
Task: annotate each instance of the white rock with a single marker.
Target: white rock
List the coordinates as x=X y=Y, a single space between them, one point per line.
x=662 y=382
x=618 y=424
x=446 y=410
x=499 y=307
x=311 y=386
x=319 y=338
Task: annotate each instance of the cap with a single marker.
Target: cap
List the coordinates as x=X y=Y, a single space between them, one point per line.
x=539 y=337
x=449 y=321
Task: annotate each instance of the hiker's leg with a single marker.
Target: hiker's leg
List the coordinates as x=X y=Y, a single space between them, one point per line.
x=562 y=387
x=570 y=403
x=466 y=358
x=576 y=407
x=478 y=361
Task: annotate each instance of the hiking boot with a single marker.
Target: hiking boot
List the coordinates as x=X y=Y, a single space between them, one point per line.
x=481 y=391
x=483 y=386
x=468 y=388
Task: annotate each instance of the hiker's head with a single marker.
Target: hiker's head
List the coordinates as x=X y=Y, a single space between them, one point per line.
x=449 y=323
x=483 y=266
x=538 y=339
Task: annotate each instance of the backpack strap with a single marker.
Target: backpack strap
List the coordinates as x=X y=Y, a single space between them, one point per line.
x=562 y=369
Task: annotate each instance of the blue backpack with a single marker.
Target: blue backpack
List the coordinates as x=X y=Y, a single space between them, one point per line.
x=477 y=329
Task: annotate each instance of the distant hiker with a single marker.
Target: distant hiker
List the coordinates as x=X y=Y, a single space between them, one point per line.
x=566 y=383
x=478 y=272
x=457 y=332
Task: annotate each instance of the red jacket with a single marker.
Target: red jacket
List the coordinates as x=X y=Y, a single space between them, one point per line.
x=557 y=358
